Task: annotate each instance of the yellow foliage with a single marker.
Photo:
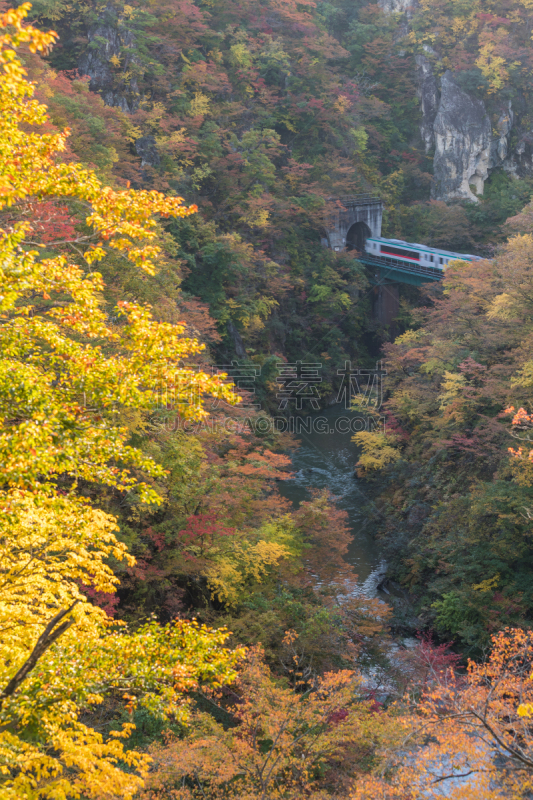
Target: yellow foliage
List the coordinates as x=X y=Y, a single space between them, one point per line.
x=379 y=449
x=342 y=103
x=69 y=543
x=240 y=56
x=228 y=579
x=64 y=373
x=199 y=175
x=492 y=66
x=257 y=218
x=133 y=131
x=242 y=561
x=502 y=307
x=200 y=104
x=411 y=337
x=453 y=384
x=254 y=324
x=487 y=585
x=361 y=139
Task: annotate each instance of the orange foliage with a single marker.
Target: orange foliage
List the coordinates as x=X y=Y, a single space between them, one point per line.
x=277 y=743
x=469 y=738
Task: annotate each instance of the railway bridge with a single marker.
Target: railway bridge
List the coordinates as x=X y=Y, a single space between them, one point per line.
x=348 y=222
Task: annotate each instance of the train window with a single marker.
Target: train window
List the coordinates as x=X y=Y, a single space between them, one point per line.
x=431 y=259
x=388 y=250
x=440 y=261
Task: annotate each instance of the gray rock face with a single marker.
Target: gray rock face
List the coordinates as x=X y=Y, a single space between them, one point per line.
x=109 y=38
x=428 y=94
x=237 y=340
x=521 y=161
x=396 y=6
x=500 y=147
x=517 y=160
x=467 y=150
x=462 y=144
x=146 y=149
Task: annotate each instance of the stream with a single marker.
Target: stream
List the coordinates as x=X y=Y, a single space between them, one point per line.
x=326 y=460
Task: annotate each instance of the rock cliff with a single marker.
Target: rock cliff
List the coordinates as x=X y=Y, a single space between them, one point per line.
x=463 y=135
x=467 y=145
x=146 y=149
x=499 y=149
x=110 y=39
x=396 y=6
x=428 y=94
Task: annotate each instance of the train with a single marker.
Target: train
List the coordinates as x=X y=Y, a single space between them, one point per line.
x=420 y=255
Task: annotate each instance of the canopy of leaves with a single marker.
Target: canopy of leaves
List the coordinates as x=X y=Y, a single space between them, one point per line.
x=65 y=375
x=456 y=515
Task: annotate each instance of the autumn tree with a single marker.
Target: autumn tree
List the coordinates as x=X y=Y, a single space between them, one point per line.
x=277 y=742
x=470 y=736
x=67 y=374
x=454 y=513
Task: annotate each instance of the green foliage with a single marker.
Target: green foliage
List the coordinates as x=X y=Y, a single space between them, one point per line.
x=457 y=523
x=503 y=197
x=260 y=112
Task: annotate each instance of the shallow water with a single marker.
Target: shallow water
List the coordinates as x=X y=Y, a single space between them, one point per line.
x=326 y=460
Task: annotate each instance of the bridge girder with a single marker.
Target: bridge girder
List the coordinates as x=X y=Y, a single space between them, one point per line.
x=383 y=274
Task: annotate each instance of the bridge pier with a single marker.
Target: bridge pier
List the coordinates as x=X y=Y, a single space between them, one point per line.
x=386 y=303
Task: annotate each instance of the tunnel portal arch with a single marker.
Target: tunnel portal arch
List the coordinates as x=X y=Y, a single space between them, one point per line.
x=350 y=220
x=357 y=236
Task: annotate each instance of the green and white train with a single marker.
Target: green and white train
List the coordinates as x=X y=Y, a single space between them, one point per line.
x=414 y=254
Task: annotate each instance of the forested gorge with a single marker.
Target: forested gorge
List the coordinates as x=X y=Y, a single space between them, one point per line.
x=171 y=626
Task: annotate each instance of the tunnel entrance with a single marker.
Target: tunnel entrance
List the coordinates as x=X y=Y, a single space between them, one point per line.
x=357 y=236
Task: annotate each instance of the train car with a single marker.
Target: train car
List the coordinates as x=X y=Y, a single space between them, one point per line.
x=415 y=254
